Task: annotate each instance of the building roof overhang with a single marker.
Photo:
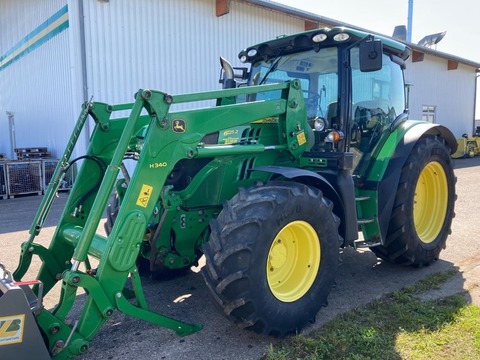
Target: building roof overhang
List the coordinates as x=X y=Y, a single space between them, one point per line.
x=311 y=17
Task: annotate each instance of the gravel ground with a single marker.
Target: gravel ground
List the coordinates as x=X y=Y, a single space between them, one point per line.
x=360 y=279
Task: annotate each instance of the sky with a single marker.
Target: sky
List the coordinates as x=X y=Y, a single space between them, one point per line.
x=459 y=18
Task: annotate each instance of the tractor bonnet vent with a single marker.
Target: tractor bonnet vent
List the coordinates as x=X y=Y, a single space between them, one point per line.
x=251 y=135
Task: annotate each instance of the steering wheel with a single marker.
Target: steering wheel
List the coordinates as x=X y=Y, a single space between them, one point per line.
x=312 y=103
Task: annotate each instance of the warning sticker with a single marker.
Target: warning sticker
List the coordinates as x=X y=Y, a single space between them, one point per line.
x=11 y=329
x=301 y=138
x=144 y=196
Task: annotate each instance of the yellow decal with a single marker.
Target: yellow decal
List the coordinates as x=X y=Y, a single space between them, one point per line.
x=269 y=120
x=144 y=196
x=301 y=138
x=230 y=132
x=157 y=165
x=230 y=140
x=11 y=329
x=179 y=126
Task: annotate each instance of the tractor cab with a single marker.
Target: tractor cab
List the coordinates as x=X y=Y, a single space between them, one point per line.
x=352 y=84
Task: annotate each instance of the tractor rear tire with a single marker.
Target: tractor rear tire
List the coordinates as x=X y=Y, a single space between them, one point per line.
x=272 y=256
x=423 y=208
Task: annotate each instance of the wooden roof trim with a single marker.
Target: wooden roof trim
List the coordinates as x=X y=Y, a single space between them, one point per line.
x=311 y=25
x=222 y=7
x=417 y=56
x=452 y=65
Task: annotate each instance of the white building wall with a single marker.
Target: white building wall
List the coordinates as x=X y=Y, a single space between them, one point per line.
x=35 y=88
x=172 y=46
x=451 y=91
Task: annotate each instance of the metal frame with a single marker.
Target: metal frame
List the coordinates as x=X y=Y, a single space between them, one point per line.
x=3 y=180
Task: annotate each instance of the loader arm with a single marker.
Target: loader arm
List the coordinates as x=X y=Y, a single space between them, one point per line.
x=165 y=139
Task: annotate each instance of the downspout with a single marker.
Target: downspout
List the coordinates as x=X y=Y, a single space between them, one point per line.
x=83 y=60
x=475 y=103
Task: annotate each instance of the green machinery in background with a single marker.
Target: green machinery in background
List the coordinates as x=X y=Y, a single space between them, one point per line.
x=303 y=147
x=468 y=146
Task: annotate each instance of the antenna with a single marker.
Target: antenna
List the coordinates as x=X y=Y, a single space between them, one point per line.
x=400 y=32
x=433 y=39
x=410 y=20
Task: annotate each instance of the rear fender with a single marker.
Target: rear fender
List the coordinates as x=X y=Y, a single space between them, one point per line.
x=391 y=176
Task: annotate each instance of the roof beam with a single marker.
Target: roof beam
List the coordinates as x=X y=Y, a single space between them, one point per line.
x=452 y=65
x=222 y=7
x=311 y=25
x=417 y=56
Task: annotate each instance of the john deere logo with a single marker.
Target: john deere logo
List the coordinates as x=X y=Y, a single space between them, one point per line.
x=11 y=329
x=179 y=126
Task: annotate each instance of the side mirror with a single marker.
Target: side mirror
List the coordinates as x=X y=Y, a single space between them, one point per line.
x=371 y=52
x=228 y=74
x=241 y=73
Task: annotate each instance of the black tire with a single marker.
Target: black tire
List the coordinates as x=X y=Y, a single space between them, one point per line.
x=112 y=211
x=245 y=240
x=424 y=206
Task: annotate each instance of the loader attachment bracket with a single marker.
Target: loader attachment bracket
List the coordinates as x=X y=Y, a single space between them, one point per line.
x=20 y=337
x=181 y=328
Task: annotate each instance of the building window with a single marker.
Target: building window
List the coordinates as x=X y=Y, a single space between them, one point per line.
x=428 y=113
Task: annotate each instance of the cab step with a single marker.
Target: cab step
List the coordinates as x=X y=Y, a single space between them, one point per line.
x=365 y=221
x=362 y=198
x=360 y=244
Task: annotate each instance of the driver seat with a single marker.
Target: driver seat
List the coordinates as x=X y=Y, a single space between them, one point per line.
x=332 y=112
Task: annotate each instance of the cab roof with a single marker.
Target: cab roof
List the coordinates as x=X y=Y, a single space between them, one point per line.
x=316 y=39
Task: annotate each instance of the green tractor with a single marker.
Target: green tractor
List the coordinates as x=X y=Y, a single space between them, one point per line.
x=304 y=147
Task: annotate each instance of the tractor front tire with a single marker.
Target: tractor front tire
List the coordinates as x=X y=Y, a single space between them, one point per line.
x=424 y=206
x=272 y=257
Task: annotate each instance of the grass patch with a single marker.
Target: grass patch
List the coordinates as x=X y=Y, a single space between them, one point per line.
x=398 y=326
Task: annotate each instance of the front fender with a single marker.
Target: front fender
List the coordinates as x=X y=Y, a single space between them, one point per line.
x=336 y=187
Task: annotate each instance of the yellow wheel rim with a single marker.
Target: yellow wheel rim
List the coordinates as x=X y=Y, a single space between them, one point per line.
x=293 y=261
x=430 y=202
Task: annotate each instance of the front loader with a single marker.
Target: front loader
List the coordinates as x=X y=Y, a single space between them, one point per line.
x=307 y=145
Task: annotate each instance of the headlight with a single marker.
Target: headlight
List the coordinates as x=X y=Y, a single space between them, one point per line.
x=320 y=124
x=319 y=38
x=243 y=58
x=341 y=37
x=252 y=52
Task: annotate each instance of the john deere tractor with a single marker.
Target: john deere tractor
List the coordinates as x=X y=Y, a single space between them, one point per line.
x=306 y=145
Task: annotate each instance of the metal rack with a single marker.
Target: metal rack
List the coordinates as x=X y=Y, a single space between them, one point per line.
x=23 y=177
x=3 y=180
x=48 y=168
